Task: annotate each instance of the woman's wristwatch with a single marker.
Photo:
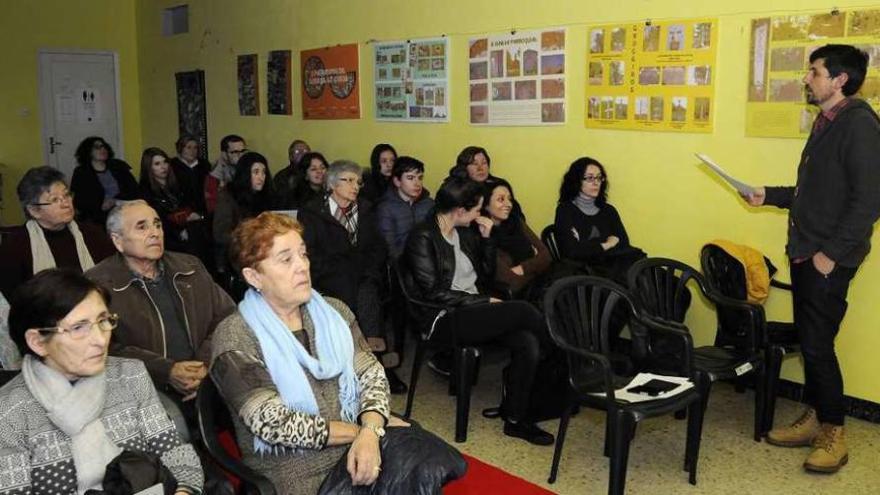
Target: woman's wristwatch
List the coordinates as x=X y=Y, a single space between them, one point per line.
x=378 y=430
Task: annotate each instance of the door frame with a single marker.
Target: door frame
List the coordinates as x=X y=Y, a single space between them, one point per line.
x=47 y=116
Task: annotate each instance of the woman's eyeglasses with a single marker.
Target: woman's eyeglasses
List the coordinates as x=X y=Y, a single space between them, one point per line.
x=82 y=329
x=56 y=200
x=595 y=179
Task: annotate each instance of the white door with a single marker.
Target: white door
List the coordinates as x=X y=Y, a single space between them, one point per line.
x=79 y=97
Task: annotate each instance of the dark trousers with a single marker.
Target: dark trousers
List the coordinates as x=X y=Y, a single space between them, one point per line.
x=819 y=306
x=516 y=325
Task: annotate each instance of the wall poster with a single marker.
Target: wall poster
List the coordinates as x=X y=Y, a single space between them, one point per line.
x=192 y=111
x=652 y=76
x=278 y=77
x=330 y=83
x=412 y=80
x=779 y=56
x=248 y=85
x=518 y=78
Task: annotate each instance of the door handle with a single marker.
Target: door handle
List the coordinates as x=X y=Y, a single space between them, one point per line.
x=53 y=144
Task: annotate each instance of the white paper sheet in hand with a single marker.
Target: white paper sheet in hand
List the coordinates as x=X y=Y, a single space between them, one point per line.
x=741 y=187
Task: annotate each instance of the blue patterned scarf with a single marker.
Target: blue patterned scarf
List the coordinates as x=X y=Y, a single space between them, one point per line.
x=282 y=352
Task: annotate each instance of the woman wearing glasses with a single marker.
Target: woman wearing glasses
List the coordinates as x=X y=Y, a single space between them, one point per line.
x=51 y=237
x=589 y=230
x=100 y=180
x=73 y=410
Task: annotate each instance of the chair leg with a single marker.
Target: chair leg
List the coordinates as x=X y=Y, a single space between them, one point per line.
x=466 y=361
x=622 y=434
x=760 y=399
x=414 y=378
x=694 y=435
x=609 y=434
x=774 y=368
x=560 y=439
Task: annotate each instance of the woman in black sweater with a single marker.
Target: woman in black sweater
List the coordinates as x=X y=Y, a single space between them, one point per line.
x=589 y=230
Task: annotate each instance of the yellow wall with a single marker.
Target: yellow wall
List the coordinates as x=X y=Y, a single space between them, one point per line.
x=28 y=26
x=669 y=205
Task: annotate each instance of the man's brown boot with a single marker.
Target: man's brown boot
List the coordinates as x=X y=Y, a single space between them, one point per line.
x=829 y=450
x=801 y=433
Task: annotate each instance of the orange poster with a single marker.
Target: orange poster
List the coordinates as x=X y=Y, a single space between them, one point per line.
x=330 y=83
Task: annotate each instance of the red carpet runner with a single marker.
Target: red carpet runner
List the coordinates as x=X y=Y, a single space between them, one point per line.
x=486 y=479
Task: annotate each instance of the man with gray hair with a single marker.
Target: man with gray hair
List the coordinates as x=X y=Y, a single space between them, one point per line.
x=167 y=302
x=347 y=255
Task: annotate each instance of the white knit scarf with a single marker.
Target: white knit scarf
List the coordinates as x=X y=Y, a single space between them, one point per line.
x=76 y=410
x=42 y=254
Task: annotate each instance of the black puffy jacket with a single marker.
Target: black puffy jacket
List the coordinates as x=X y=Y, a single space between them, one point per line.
x=431 y=261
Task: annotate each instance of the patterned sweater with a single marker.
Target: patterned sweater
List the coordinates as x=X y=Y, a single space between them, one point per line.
x=35 y=455
x=238 y=369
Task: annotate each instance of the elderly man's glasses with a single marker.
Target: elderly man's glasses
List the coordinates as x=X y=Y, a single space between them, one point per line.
x=237 y=152
x=594 y=179
x=56 y=200
x=82 y=329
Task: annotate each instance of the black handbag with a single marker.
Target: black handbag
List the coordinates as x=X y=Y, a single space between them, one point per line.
x=133 y=471
x=414 y=462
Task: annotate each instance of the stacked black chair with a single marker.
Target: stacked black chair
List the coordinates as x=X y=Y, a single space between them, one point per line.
x=578 y=311
x=464 y=357
x=213 y=420
x=660 y=287
x=726 y=275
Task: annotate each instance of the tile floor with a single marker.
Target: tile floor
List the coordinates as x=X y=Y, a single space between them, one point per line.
x=730 y=461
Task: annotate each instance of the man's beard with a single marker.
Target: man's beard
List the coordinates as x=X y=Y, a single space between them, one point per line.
x=809 y=96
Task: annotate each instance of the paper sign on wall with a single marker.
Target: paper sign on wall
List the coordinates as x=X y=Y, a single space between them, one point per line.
x=330 y=87
x=412 y=80
x=652 y=77
x=779 y=58
x=518 y=78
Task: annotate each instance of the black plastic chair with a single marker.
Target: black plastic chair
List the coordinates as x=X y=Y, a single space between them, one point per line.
x=213 y=420
x=578 y=311
x=726 y=275
x=660 y=287
x=464 y=357
x=548 y=237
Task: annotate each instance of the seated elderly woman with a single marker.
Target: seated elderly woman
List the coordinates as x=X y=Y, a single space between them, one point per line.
x=51 y=237
x=348 y=255
x=72 y=410
x=298 y=377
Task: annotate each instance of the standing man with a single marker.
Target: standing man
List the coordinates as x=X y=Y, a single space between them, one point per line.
x=832 y=210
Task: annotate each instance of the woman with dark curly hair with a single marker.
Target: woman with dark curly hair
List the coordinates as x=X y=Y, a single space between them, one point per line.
x=99 y=180
x=248 y=195
x=589 y=230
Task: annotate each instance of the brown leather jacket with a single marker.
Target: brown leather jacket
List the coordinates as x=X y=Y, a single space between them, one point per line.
x=141 y=333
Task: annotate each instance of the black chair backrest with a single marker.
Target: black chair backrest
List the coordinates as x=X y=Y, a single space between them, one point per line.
x=213 y=418
x=548 y=237
x=727 y=276
x=660 y=286
x=579 y=313
x=723 y=272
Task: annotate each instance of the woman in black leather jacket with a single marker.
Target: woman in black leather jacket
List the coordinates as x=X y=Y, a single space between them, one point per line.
x=452 y=264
